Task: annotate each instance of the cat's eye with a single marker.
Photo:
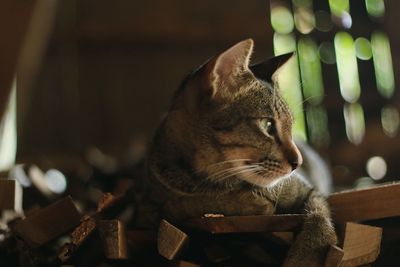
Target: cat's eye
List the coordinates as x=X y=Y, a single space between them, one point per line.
x=267 y=126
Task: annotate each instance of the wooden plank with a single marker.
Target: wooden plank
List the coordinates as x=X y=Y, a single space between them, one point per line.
x=366 y=204
x=10 y=195
x=334 y=257
x=361 y=244
x=245 y=224
x=48 y=223
x=170 y=241
x=112 y=234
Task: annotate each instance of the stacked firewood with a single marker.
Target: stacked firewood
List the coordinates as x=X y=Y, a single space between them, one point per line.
x=60 y=234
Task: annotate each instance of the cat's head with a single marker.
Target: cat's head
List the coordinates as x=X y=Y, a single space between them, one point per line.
x=232 y=122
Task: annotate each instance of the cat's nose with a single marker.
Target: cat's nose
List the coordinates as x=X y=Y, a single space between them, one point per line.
x=294 y=157
x=294 y=164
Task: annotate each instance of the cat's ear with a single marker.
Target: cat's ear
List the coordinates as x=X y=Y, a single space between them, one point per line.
x=268 y=69
x=225 y=68
x=217 y=79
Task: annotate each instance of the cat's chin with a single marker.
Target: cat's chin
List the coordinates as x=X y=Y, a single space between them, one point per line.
x=264 y=182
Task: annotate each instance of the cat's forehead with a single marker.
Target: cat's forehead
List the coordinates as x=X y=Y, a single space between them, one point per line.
x=258 y=101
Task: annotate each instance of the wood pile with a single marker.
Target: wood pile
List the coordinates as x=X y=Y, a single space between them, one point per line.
x=62 y=235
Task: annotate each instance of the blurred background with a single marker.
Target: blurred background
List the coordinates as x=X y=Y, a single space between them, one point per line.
x=105 y=75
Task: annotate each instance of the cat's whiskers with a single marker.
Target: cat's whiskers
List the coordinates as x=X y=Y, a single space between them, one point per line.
x=242 y=171
x=224 y=175
x=230 y=171
x=226 y=162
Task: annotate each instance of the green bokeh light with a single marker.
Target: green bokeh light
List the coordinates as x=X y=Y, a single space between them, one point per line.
x=375 y=8
x=339 y=6
x=363 y=48
x=326 y=53
x=317 y=124
x=355 y=122
x=347 y=67
x=284 y=43
x=383 y=63
x=282 y=19
x=310 y=69
x=289 y=85
x=390 y=118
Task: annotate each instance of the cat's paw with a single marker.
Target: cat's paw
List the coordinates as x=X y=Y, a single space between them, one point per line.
x=312 y=243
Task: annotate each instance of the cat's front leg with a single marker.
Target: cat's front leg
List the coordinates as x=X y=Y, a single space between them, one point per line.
x=316 y=235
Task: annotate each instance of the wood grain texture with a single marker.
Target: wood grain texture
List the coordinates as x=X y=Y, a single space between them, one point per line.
x=366 y=204
x=170 y=241
x=246 y=224
x=48 y=223
x=361 y=244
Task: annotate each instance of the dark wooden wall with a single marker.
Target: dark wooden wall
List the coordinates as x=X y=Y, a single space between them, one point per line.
x=111 y=68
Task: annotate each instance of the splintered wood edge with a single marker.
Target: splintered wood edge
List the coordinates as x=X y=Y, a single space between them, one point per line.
x=366 y=204
x=246 y=224
x=171 y=241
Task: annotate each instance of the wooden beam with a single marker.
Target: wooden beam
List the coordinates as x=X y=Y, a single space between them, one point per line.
x=366 y=204
x=112 y=234
x=48 y=223
x=245 y=224
x=361 y=244
x=10 y=195
x=170 y=241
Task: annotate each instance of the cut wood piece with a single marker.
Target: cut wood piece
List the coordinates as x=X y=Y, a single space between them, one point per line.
x=244 y=224
x=361 y=244
x=170 y=241
x=48 y=223
x=334 y=257
x=10 y=195
x=112 y=234
x=78 y=236
x=366 y=204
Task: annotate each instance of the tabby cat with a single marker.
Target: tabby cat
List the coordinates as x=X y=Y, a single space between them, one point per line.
x=225 y=147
